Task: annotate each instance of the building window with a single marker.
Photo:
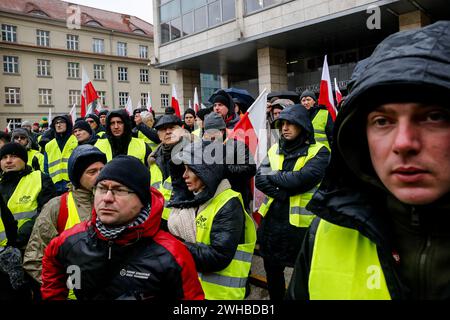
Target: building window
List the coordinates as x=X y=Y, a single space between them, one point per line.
x=74 y=97
x=123 y=74
x=164 y=100
x=144 y=97
x=144 y=75
x=10 y=64
x=72 y=42
x=14 y=123
x=43 y=38
x=143 y=52
x=164 y=77
x=255 y=5
x=122 y=49
x=73 y=70
x=181 y=18
x=123 y=97
x=43 y=68
x=45 y=97
x=102 y=97
x=9 y=33
x=99 y=72
x=98 y=46
x=12 y=95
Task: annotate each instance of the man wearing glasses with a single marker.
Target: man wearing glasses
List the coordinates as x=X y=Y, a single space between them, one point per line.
x=58 y=151
x=35 y=158
x=121 y=254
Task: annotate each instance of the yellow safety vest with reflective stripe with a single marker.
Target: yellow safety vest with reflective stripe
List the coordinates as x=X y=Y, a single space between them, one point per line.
x=165 y=187
x=23 y=202
x=72 y=212
x=136 y=148
x=57 y=160
x=150 y=143
x=228 y=283
x=100 y=134
x=35 y=154
x=345 y=266
x=319 y=123
x=299 y=216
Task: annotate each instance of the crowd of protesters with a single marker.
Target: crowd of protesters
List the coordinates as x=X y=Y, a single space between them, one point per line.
x=150 y=207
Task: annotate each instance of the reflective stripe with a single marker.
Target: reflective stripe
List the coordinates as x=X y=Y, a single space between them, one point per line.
x=24 y=215
x=167 y=185
x=2 y=236
x=300 y=210
x=319 y=131
x=243 y=256
x=58 y=172
x=225 y=281
x=321 y=139
x=156 y=185
x=54 y=163
x=266 y=200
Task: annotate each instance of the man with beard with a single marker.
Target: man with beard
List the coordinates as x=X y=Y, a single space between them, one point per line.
x=119 y=140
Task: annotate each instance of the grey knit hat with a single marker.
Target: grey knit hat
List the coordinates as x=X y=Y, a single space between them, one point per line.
x=214 y=121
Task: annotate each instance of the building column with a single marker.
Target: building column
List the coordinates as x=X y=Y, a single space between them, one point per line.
x=413 y=20
x=272 y=69
x=186 y=82
x=223 y=81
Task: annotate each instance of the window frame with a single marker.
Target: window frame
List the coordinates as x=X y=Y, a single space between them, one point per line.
x=42 y=38
x=45 y=97
x=12 y=67
x=12 y=95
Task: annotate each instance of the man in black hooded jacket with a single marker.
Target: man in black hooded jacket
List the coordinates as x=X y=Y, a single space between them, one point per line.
x=119 y=139
x=288 y=177
x=385 y=200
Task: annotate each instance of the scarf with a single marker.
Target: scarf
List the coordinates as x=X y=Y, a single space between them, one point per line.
x=113 y=232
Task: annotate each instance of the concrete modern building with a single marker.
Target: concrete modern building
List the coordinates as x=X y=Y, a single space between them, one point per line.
x=45 y=44
x=277 y=44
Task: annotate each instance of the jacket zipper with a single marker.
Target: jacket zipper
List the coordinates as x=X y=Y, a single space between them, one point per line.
x=422 y=269
x=110 y=243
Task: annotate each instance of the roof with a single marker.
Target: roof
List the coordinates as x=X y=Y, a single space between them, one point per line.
x=57 y=10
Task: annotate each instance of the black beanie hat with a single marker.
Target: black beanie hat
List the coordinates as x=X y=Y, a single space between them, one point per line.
x=83 y=125
x=80 y=159
x=130 y=172
x=222 y=99
x=103 y=112
x=94 y=117
x=15 y=149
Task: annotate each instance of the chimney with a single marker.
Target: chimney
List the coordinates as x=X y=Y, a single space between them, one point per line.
x=126 y=19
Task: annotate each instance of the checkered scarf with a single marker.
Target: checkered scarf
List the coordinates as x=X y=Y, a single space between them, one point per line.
x=112 y=233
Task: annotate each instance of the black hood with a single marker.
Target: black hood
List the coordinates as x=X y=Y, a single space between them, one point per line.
x=122 y=113
x=68 y=120
x=298 y=115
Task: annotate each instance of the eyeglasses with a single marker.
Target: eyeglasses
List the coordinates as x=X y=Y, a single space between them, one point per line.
x=20 y=138
x=59 y=122
x=116 y=192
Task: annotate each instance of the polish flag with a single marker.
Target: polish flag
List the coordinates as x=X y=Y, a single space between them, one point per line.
x=88 y=93
x=129 y=106
x=139 y=105
x=149 y=103
x=326 y=94
x=196 y=103
x=337 y=91
x=175 y=103
x=8 y=127
x=251 y=129
x=49 y=115
x=73 y=113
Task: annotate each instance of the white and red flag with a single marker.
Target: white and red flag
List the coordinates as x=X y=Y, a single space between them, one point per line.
x=337 y=92
x=129 y=106
x=196 y=103
x=8 y=127
x=326 y=93
x=88 y=93
x=73 y=113
x=175 y=103
x=149 y=103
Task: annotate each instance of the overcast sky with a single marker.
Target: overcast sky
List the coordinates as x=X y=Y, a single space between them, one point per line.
x=140 y=8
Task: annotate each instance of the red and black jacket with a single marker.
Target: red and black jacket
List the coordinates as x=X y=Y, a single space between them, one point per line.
x=143 y=263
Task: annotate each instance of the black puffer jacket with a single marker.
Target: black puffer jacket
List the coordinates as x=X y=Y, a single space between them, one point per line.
x=227 y=230
x=8 y=184
x=412 y=241
x=279 y=240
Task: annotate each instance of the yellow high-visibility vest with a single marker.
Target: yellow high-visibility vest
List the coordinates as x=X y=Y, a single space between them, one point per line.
x=319 y=123
x=57 y=160
x=150 y=143
x=345 y=266
x=23 y=202
x=228 y=283
x=299 y=216
x=165 y=187
x=35 y=154
x=136 y=148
